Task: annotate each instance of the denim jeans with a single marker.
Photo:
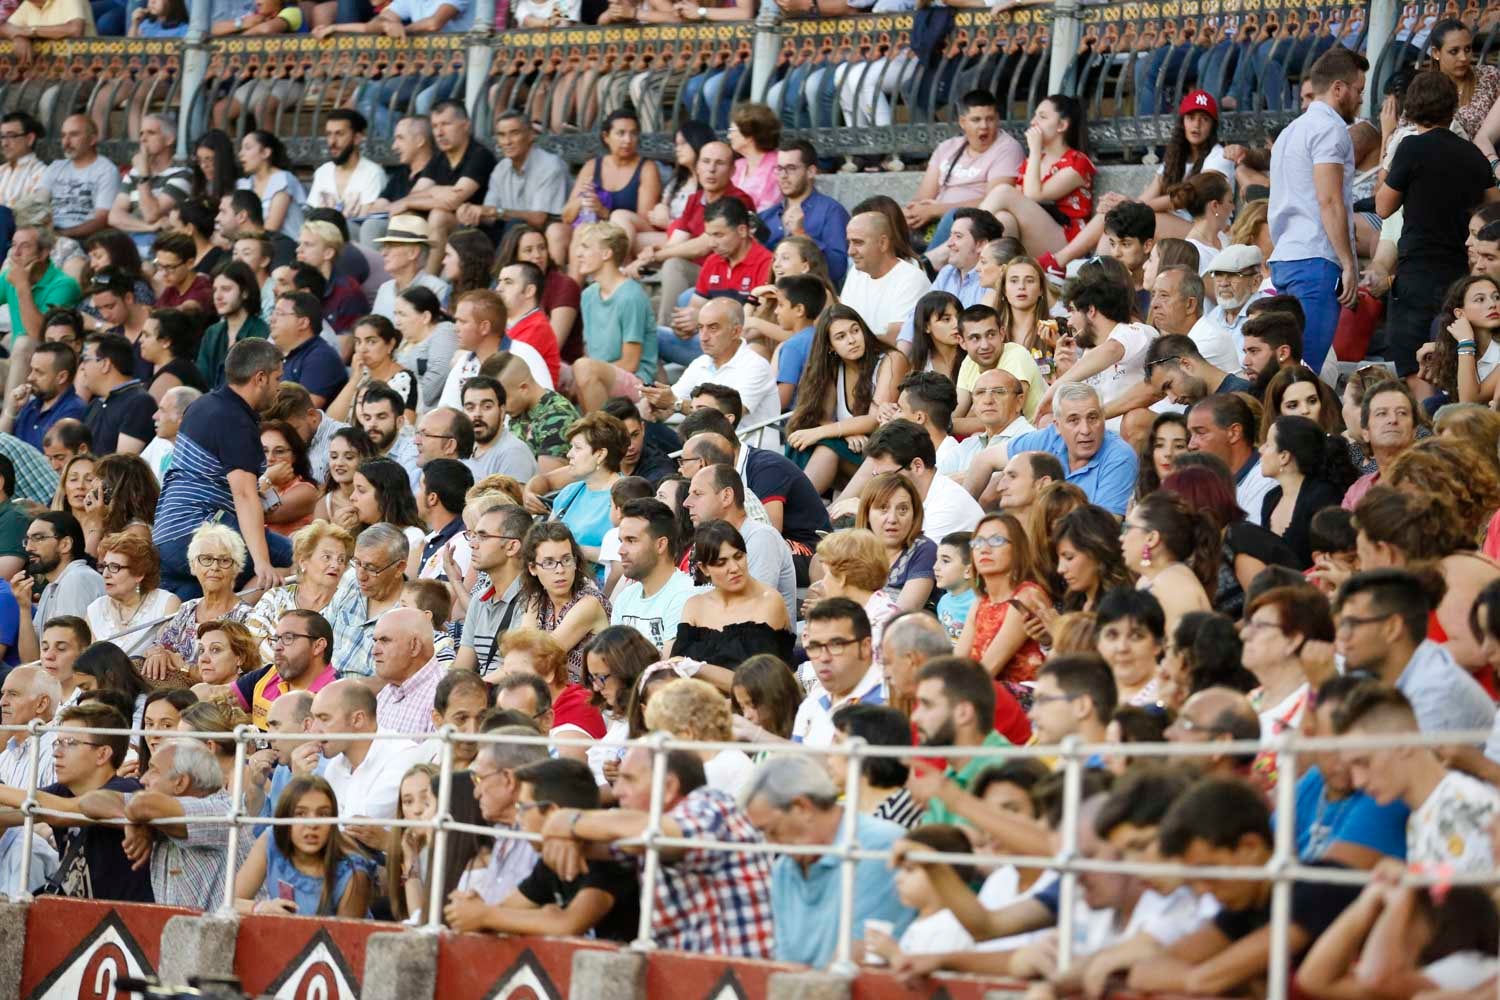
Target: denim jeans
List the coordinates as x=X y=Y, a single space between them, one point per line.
x=1315 y=283
x=672 y=349
x=177 y=576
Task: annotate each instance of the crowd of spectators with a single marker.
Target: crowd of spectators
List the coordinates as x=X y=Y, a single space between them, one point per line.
x=478 y=443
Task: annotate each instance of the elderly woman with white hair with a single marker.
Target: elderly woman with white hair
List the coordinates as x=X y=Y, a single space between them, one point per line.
x=216 y=556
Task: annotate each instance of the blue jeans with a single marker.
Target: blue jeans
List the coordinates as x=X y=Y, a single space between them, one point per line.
x=109 y=17
x=1315 y=283
x=177 y=577
x=672 y=349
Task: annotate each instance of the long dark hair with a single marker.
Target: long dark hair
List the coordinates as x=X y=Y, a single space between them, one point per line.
x=532 y=591
x=359 y=441
x=1075 y=136
x=820 y=378
x=179 y=698
x=628 y=654
x=239 y=272
x=1180 y=152
x=510 y=243
x=1095 y=532
x=1146 y=478
x=393 y=490
x=697 y=135
x=333 y=849
x=226 y=166
x=477 y=261
x=1190 y=536
x=708 y=542
x=112 y=669
x=301 y=465
x=1445 y=357
x=425 y=300
x=929 y=306
x=1318 y=455
x=901 y=242
x=680 y=486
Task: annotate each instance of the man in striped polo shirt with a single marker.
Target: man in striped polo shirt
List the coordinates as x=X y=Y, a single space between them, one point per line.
x=216 y=467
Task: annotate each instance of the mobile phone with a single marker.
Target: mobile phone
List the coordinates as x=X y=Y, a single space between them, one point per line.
x=285 y=890
x=1015 y=603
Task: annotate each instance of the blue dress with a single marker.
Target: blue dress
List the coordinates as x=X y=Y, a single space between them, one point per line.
x=307 y=890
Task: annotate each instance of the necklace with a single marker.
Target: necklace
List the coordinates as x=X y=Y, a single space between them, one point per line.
x=116 y=606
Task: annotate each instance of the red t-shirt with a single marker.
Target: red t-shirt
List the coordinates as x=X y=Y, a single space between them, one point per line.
x=572 y=709
x=535 y=330
x=691 y=219
x=720 y=278
x=201 y=292
x=1077 y=205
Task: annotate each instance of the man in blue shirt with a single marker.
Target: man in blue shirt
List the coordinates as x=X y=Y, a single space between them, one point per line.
x=49 y=382
x=792 y=801
x=972 y=231
x=216 y=468
x=1096 y=459
x=804 y=211
x=800 y=299
x=312 y=362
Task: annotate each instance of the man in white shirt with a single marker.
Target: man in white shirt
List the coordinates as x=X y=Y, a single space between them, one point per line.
x=29 y=693
x=21 y=171
x=726 y=360
x=347 y=182
x=901 y=446
x=1236 y=274
x=881 y=287
x=717 y=493
x=479 y=318
x=1224 y=426
x=168 y=417
x=365 y=773
x=652 y=601
x=403 y=251
x=839 y=647
x=1099 y=311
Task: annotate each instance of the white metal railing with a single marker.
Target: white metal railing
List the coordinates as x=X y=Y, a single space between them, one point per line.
x=1282 y=869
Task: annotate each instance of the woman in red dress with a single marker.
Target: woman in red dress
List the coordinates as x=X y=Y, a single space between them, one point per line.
x=1053 y=196
x=1006 y=576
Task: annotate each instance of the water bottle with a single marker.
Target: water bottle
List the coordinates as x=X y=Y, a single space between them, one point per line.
x=586 y=214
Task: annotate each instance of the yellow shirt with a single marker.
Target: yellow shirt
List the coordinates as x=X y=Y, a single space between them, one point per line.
x=1018 y=361
x=52 y=13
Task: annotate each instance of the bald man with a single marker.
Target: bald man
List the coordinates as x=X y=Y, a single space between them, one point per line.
x=404 y=660
x=727 y=360
x=29 y=693
x=881 y=287
x=1217 y=715
x=365 y=773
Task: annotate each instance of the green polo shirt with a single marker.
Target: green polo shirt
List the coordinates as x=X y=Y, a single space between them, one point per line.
x=54 y=289
x=939 y=813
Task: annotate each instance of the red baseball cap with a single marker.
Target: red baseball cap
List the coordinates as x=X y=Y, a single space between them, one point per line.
x=1199 y=100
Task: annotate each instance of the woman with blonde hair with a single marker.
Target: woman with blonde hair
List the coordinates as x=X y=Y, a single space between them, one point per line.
x=690 y=709
x=320 y=554
x=216 y=555
x=73 y=485
x=533 y=651
x=891 y=507
x=1024 y=304
x=855 y=566
x=1252 y=226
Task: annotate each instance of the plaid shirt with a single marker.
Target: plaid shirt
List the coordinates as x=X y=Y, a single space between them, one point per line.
x=407 y=708
x=353 y=630
x=710 y=902
x=189 y=871
x=35 y=477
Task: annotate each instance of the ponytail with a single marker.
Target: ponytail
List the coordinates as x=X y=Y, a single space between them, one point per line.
x=1194 y=194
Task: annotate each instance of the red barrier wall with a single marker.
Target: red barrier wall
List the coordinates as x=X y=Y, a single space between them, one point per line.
x=303 y=956
x=77 y=948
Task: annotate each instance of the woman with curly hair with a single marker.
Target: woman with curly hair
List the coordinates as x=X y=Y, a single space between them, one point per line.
x=468 y=263
x=850 y=374
x=1455 y=471
x=121 y=497
x=1401 y=527
x=1464 y=360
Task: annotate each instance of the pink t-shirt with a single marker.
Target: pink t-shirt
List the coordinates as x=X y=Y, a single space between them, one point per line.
x=760 y=185
x=963 y=177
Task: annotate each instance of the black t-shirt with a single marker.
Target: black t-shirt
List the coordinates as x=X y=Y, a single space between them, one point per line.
x=398 y=181
x=216 y=258
x=126 y=410
x=186 y=371
x=773 y=477
x=94 y=865
x=1441 y=178
x=1314 y=907
x=621 y=881
x=477 y=165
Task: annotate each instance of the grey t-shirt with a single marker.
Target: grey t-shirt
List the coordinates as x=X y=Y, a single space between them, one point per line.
x=489 y=611
x=771 y=562
x=543 y=187
x=77 y=193
x=507 y=456
x=70 y=594
x=655 y=617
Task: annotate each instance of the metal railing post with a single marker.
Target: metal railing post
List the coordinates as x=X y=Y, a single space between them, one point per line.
x=1068 y=850
x=440 y=819
x=33 y=779
x=1283 y=857
x=1063 y=34
x=194 y=70
x=766 y=51
x=1380 y=32
x=477 y=63
x=236 y=796
x=843 y=962
x=652 y=870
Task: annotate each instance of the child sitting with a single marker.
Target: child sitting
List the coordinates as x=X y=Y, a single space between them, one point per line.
x=954 y=574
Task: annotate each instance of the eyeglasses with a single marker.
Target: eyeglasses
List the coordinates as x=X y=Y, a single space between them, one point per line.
x=1248 y=627
x=480 y=779
x=38 y=539
x=164 y=266
x=419 y=432
x=360 y=566
x=12 y=135
x=989 y=542
x=833 y=647
x=88 y=360
x=111 y=568
x=522 y=808
x=282 y=638
x=484 y=536
x=215 y=562
x=552 y=565
x=1182 y=724
x=1350 y=622
x=69 y=742
x=599 y=680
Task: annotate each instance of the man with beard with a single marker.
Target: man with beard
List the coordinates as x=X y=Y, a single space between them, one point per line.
x=496 y=449
x=54 y=552
x=1178 y=371
x=1273 y=340
x=1236 y=274
x=495 y=551
x=1224 y=426
x=215 y=471
x=805 y=211
x=348 y=182
x=1388 y=415
x=382 y=414
x=652 y=602
x=1311 y=212
x=47 y=395
x=956 y=708
x=302 y=646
